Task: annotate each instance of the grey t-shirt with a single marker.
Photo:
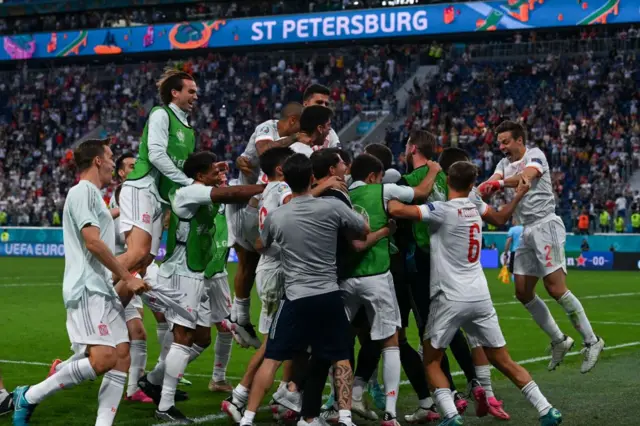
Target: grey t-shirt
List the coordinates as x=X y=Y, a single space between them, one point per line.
x=306 y=229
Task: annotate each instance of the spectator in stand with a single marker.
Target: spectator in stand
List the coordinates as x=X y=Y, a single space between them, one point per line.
x=619 y=222
x=605 y=221
x=584 y=246
x=635 y=221
x=583 y=223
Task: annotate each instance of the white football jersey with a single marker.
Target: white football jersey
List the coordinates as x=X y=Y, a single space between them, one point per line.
x=121 y=245
x=539 y=202
x=265 y=131
x=273 y=197
x=456 y=245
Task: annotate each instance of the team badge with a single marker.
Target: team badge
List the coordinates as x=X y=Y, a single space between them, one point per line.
x=146 y=218
x=362 y=212
x=103 y=329
x=180 y=135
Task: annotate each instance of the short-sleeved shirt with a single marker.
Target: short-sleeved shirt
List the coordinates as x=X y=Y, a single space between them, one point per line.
x=456 y=243
x=391 y=191
x=539 y=202
x=515 y=232
x=83 y=271
x=273 y=197
x=267 y=131
x=297 y=147
x=306 y=229
x=185 y=204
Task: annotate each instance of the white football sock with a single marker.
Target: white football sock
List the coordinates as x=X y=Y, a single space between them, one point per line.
x=444 y=402
x=344 y=416
x=535 y=397
x=138 y=352
x=176 y=363
x=69 y=360
x=161 y=330
x=166 y=345
x=391 y=377
x=247 y=418
x=358 y=388
x=74 y=373
x=426 y=403
x=222 y=354
x=542 y=316
x=243 y=310
x=240 y=395
x=109 y=396
x=575 y=312
x=195 y=352
x=483 y=373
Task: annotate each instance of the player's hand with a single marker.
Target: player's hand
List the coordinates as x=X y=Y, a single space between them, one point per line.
x=523 y=186
x=136 y=285
x=222 y=166
x=244 y=165
x=336 y=182
x=489 y=188
x=434 y=167
x=393 y=226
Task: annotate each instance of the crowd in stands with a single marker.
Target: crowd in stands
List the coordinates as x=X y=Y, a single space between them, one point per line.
x=43 y=113
x=157 y=14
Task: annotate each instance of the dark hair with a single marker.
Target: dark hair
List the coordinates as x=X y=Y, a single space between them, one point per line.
x=365 y=164
x=314 y=116
x=297 y=172
x=516 y=129
x=313 y=89
x=292 y=109
x=323 y=160
x=120 y=160
x=450 y=156
x=346 y=156
x=273 y=158
x=171 y=79
x=199 y=162
x=381 y=152
x=462 y=175
x=84 y=154
x=424 y=141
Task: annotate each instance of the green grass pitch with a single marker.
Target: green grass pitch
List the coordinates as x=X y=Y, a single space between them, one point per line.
x=33 y=333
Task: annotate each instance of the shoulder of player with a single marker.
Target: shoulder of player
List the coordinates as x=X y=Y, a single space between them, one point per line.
x=159 y=114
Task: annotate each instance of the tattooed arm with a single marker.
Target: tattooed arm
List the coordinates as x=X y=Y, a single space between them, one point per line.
x=266 y=144
x=343 y=381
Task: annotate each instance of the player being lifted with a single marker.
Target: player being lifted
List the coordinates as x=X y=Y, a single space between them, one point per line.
x=541 y=250
x=193 y=211
x=95 y=313
x=460 y=295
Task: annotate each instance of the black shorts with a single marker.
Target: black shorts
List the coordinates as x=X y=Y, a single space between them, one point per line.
x=319 y=322
x=421 y=287
x=402 y=287
x=512 y=257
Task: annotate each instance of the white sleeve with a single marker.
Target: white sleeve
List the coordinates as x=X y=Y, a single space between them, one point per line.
x=435 y=212
x=333 y=139
x=157 y=143
x=500 y=168
x=536 y=159
x=283 y=192
x=476 y=199
x=391 y=191
x=188 y=199
x=265 y=132
x=391 y=176
x=82 y=207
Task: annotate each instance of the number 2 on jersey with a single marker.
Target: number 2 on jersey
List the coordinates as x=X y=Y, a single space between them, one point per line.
x=262 y=215
x=474 y=244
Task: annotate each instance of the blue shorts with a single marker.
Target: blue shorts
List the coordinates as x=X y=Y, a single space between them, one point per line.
x=319 y=322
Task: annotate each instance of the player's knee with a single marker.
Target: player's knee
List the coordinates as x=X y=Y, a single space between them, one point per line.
x=103 y=359
x=524 y=295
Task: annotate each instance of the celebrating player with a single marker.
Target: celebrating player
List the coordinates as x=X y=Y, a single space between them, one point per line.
x=166 y=142
x=95 y=315
x=459 y=293
x=541 y=250
x=188 y=254
x=311 y=313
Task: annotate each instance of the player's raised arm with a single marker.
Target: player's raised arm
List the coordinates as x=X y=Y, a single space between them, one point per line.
x=235 y=194
x=500 y=217
x=267 y=144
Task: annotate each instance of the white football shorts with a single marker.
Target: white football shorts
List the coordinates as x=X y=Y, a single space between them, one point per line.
x=216 y=301
x=541 y=250
x=139 y=207
x=270 y=284
x=193 y=288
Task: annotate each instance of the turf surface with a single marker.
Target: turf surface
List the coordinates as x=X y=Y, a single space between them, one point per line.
x=33 y=333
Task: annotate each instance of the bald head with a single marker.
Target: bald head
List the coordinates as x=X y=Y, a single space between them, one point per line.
x=289 y=122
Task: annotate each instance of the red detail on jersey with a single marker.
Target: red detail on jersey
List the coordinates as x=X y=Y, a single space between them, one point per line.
x=474 y=245
x=146 y=218
x=391 y=393
x=219 y=365
x=103 y=329
x=189 y=310
x=264 y=179
x=262 y=215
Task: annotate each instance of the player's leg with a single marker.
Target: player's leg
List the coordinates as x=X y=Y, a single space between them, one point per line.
x=138 y=347
x=138 y=211
x=113 y=382
x=485 y=399
x=234 y=405
x=526 y=269
x=312 y=390
x=6 y=399
x=550 y=238
x=484 y=330
x=220 y=307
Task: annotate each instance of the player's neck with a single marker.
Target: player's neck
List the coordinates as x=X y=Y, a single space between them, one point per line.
x=92 y=175
x=453 y=194
x=518 y=156
x=418 y=161
x=275 y=178
x=301 y=194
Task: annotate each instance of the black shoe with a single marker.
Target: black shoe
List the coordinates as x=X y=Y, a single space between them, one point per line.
x=6 y=406
x=181 y=395
x=173 y=415
x=152 y=391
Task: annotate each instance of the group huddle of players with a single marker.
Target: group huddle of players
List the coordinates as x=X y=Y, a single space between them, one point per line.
x=339 y=248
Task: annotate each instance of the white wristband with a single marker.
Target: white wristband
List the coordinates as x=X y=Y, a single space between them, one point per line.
x=501 y=182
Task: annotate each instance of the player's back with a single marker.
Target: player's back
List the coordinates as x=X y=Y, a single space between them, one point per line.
x=273 y=197
x=267 y=130
x=456 y=244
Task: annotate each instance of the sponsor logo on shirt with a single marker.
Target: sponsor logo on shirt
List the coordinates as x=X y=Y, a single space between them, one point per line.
x=431 y=206
x=264 y=130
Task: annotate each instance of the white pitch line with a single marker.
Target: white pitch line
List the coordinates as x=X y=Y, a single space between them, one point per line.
x=596 y=296
x=592 y=322
x=57 y=284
